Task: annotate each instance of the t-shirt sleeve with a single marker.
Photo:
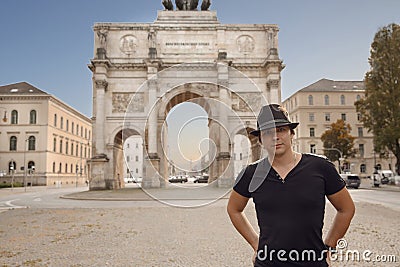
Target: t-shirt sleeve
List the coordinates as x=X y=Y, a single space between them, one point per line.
x=333 y=181
x=242 y=183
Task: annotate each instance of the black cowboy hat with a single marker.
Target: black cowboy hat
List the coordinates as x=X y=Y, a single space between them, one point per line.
x=272 y=116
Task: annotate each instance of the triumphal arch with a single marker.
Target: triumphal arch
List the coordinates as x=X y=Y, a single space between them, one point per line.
x=142 y=70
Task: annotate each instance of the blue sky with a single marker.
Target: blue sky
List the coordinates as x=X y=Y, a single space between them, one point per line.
x=49 y=43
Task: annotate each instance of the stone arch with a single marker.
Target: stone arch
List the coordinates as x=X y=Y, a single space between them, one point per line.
x=118 y=159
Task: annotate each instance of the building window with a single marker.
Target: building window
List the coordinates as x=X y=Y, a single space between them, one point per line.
x=311 y=117
x=31 y=166
x=12 y=166
x=137 y=170
x=59 y=168
x=342 y=100
x=327 y=117
x=77 y=129
x=32 y=143
x=81 y=150
x=359 y=116
x=358 y=98
x=360 y=132
x=77 y=150
x=55 y=120
x=72 y=149
x=137 y=145
x=361 y=150
x=72 y=168
x=326 y=99
x=312 y=132
x=85 y=152
x=61 y=146
x=343 y=116
x=66 y=168
x=363 y=168
x=66 y=147
x=54 y=167
x=310 y=100
x=81 y=131
x=137 y=158
x=89 y=135
x=313 y=149
x=67 y=125
x=13 y=143
x=32 y=117
x=85 y=133
x=72 y=127
x=14 y=117
x=128 y=158
x=62 y=123
x=54 y=144
x=240 y=156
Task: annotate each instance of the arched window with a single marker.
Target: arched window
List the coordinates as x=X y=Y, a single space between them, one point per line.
x=66 y=168
x=30 y=165
x=54 y=144
x=55 y=120
x=13 y=143
x=310 y=100
x=59 y=168
x=66 y=147
x=12 y=166
x=31 y=143
x=342 y=100
x=72 y=149
x=61 y=144
x=363 y=168
x=62 y=123
x=14 y=117
x=77 y=147
x=358 y=97
x=32 y=117
x=54 y=167
x=72 y=169
x=326 y=99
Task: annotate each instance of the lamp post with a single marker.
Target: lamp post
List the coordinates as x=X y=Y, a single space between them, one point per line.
x=25 y=163
x=12 y=174
x=340 y=154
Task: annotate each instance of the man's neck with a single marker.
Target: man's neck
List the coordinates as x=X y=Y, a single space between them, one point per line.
x=282 y=159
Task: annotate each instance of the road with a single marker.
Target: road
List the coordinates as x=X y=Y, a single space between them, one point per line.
x=43 y=197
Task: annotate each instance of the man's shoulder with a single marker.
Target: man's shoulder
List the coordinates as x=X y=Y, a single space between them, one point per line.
x=315 y=156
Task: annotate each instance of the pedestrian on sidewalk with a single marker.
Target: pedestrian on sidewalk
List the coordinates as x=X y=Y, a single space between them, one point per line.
x=288 y=189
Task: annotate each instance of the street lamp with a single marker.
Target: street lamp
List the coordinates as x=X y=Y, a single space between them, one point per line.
x=25 y=164
x=5 y=115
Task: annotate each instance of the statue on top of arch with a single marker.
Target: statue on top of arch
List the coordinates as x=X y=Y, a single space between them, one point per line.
x=186 y=4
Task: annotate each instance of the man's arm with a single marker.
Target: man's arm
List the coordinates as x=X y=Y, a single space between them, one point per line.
x=235 y=208
x=345 y=208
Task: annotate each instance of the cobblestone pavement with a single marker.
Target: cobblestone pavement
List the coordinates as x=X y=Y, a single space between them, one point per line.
x=163 y=236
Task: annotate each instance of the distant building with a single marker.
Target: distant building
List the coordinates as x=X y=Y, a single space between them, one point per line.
x=38 y=131
x=322 y=103
x=133 y=151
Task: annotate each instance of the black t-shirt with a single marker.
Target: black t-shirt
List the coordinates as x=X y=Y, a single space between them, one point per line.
x=290 y=211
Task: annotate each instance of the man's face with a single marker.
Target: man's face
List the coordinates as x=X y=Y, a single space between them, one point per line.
x=277 y=140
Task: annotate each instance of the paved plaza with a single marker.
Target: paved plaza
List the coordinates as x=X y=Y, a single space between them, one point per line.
x=158 y=234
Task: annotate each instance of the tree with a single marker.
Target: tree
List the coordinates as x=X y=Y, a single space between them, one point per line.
x=338 y=142
x=380 y=108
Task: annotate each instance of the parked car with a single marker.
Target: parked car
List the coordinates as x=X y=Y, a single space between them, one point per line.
x=352 y=180
x=200 y=179
x=178 y=179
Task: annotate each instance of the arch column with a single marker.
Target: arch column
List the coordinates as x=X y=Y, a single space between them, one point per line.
x=151 y=172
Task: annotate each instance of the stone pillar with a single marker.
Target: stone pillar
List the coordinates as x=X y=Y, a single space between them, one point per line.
x=98 y=179
x=101 y=87
x=225 y=165
x=151 y=177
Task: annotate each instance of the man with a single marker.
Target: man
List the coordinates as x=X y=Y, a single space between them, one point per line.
x=288 y=190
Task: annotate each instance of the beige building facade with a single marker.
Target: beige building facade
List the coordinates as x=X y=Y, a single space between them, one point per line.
x=322 y=103
x=51 y=139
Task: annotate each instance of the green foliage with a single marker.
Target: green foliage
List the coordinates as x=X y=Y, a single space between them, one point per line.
x=338 y=138
x=8 y=185
x=380 y=109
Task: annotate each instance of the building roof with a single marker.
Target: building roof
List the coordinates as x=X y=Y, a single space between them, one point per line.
x=21 y=88
x=325 y=85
